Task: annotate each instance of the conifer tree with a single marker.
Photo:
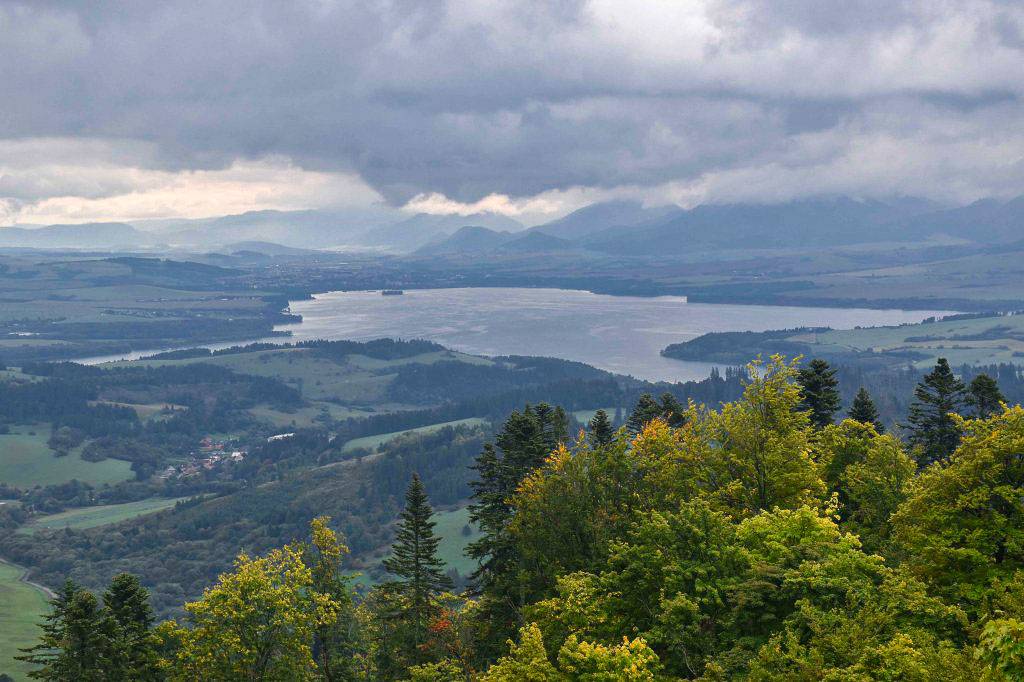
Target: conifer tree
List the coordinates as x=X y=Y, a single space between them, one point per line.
x=984 y=396
x=523 y=444
x=863 y=410
x=126 y=604
x=420 y=574
x=931 y=427
x=818 y=386
x=76 y=643
x=672 y=411
x=601 y=430
x=646 y=410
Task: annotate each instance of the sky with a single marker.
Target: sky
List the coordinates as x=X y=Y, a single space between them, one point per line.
x=129 y=110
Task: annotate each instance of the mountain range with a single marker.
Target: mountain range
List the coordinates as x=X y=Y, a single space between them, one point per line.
x=608 y=228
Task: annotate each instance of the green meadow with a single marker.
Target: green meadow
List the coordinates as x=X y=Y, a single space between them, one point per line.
x=22 y=607
x=374 y=442
x=91 y=517
x=27 y=461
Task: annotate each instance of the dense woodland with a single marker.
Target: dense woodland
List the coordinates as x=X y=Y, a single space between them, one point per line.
x=772 y=538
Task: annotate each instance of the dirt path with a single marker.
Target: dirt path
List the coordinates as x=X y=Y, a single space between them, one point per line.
x=50 y=594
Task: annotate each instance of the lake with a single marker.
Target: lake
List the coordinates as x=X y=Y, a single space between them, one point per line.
x=623 y=334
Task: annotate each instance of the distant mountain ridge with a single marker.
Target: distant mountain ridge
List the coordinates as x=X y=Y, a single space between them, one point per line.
x=602 y=216
x=99 y=236
x=475 y=240
x=614 y=228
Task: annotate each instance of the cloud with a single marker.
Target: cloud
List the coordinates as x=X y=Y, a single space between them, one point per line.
x=73 y=181
x=448 y=103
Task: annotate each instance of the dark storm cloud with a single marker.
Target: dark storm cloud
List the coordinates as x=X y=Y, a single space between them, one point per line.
x=472 y=98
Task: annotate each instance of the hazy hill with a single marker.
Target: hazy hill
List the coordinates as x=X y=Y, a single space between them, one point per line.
x=99 y=236
x=988 y=221
x=296 y=229
x=535 y=242
x=812 y=222
x=477 y=240
x=595 y=218
x=469 y=239
x=423 y=228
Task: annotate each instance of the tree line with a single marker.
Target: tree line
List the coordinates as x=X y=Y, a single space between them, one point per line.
x=760 y=540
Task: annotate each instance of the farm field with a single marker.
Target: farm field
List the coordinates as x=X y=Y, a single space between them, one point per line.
x=91 y=517
x=22 y=607
x=373 y=442
x=26 y=461
x=304 y=416
x=980 y=341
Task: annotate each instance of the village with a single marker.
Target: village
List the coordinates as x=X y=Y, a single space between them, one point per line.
x=211 y=454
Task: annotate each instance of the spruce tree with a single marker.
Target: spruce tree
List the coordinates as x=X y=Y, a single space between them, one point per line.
x=126 y=605
x=646 y=410
x=863 y=410
x=77 y=642
x=601 y=430
x=523 y=444
x=672 y=411
x=420 y=574
x=931 y=427
x=818 y=387
x=984 y=396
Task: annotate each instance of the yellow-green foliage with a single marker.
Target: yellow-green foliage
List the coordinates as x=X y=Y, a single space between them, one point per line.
x=255 y=623
x=962 y=526
x=578 y=661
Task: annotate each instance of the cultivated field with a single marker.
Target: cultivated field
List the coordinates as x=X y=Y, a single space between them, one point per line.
x=373 y=442
x=91 y=517
x=981 y=341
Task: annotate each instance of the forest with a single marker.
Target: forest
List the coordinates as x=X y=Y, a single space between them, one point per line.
x=770 y=538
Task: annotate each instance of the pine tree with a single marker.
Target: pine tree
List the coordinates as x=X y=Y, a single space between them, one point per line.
x=126 y=605
x=420 y=574
x=984 y=396
x=601 y=430
x=818 y=387
x=931 y=427
x=646 y=410
x=672 y=411
x=863 y=410
x=523 y=444
x=76 y=643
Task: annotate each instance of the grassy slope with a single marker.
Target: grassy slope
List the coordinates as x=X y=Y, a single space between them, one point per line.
x=958 y=351
x=21 y=609
x=90 y=517
x=453 y=542
x=358 y=379
x=373 y=442
x=26 y=460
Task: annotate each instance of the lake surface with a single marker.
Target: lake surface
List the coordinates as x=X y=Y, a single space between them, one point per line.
x=623 y=334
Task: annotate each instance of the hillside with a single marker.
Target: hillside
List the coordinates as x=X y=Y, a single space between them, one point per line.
x=975 y=339
x=87 y=236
